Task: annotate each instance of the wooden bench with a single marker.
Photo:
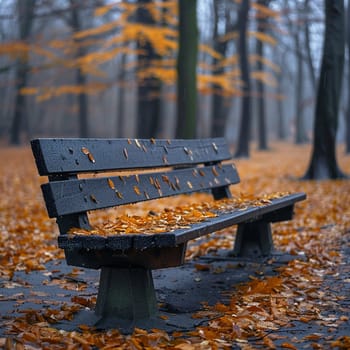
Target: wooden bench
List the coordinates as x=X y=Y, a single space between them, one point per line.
x=159 y=168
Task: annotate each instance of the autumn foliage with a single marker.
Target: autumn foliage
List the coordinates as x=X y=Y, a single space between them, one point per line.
x=257 y=310
x=112 y=37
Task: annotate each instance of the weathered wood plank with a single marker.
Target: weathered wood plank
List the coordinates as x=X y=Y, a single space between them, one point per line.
x=248 y=215
x=64 y=156
x=81 y=195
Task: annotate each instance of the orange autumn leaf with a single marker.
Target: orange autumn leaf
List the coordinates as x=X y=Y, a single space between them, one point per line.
x=288 y=346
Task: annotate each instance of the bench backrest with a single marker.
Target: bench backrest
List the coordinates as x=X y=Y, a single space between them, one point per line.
x=145 y=170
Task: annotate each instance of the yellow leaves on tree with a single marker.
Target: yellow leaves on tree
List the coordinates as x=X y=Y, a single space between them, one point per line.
x=209 y=50
x=228 y=61
x=167 y=75
x=43 y=94
x=93 y=59
x=29 y=91
x=15 y=49
x=208 y=83
x=22 y=50
x=110 y=39
x=265 y=38
x=162 y=39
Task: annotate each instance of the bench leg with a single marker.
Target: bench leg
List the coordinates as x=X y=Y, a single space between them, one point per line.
x=253 y=239
x=126 y=294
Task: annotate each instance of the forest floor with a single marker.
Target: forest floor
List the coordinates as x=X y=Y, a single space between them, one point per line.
x=299 y=299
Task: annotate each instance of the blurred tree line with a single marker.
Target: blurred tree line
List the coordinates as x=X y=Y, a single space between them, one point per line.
x=246 y=70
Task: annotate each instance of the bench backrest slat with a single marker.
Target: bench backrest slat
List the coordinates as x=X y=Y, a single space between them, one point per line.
x=72 y=156
x=80 y=195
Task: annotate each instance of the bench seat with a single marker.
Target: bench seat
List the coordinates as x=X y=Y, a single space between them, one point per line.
x=138 y=249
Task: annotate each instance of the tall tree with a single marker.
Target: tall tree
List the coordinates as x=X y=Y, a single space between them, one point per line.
x=121 y=117
x=149 y=89
x=300 y=133
x=323 y=164
x=347 y=120
x=262 y=129
x=219 y=110
x=245 y=126
x=281 y=120
x=307 y=42
x=25 y=10
x=186 y=70
x=300 y=136
x=80 y=77
x=295 y=28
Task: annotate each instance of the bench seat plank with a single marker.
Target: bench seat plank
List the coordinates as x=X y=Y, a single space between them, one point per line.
x=177 y=237
x=250 y=214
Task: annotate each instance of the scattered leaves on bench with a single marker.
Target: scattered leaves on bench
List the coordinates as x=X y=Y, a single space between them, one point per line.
x=137 y=143
x=93 y=198
x=85 y=150
x=89 y=154
x=215 y=172
x=137 y=190
x=170 y=220
x=125 y=151
x=119 y=195
x=111 y=184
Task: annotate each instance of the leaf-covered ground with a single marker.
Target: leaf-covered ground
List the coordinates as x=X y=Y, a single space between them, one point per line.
x=259 y=312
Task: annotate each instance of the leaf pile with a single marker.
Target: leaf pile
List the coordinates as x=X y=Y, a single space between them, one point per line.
x=169 y=220
x=257 y=311
x=28 y=238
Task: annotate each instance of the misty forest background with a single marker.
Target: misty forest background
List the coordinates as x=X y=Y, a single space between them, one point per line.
x=99 y=68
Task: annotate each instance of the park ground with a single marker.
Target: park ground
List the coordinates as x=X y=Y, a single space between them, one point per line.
x=299 y=299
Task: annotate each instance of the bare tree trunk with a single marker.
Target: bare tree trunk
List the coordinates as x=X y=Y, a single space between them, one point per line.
x=281 y=128
x=186 y=70
x=295 y=30
x=80 y=77
x=307 y=41
x=219 y=111
x=281 y=113
x=81 y=80
x=300 y=134
x=323 y=164
x=347 y=121
x=245 y=127
x=25 y=10
x=121 y=98
x=262 y=129
x=149 y=89
x=20 y=104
